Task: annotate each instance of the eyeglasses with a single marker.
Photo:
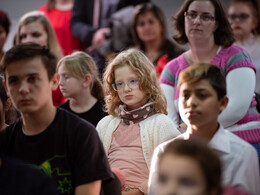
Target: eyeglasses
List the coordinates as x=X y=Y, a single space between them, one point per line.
x=132 y=84
x=242 y=17
x=203 y=17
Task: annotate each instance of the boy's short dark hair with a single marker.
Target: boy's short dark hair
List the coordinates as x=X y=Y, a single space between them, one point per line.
x=201 y=71
x=28 y=51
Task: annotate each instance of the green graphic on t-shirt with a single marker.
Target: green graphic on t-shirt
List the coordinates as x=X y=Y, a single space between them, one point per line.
x=51 y=167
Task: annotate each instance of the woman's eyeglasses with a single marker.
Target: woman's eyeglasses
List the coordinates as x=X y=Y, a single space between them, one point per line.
x=203 y=17
x=132 y=84
x=242 y=17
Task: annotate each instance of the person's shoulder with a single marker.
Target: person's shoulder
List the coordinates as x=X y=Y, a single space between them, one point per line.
x=69 y=120
x=161 y=147
x=233 y=49
x=43 y=8
x=15 y=126
x=238 y=144
x=65 y=105
x=173 y=49
x=176 y=61
x=107 y=120
x=160 y=117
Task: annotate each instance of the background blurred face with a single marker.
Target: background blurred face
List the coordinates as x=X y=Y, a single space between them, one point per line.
x=180 y=175
x=148 y=27
x=197 y=28
x=3 y=37
x=34 y=32
x=69 y=85
x=241 y=20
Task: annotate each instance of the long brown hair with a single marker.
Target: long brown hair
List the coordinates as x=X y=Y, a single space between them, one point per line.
x=157 y=12
x=223 y=35
x=144 y=69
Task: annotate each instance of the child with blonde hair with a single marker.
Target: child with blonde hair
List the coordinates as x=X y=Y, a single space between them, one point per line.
x=79 y=82
x=137 y=122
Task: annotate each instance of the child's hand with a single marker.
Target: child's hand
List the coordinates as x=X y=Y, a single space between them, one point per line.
x=132 y=192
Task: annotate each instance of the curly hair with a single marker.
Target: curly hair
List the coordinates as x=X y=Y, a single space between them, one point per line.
x=144 y=69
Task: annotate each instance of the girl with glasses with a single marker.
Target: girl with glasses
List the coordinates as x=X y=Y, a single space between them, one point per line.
x=244 y=18
x=203 y=25
x=137 y=122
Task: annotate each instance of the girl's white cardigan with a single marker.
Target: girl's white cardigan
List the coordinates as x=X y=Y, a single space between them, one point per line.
x=153 y=131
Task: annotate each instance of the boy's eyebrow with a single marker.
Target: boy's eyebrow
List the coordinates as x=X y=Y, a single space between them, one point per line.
x=30 y=74
x=201 y=89
x=196 y=89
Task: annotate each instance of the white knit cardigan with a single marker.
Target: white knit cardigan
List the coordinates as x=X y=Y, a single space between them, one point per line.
x=153 y=131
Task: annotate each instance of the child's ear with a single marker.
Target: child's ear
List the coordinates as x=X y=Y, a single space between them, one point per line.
x=55 y=81
x=87 y=80
x=223 y=103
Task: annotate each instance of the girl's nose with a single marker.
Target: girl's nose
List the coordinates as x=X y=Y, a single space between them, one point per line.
x=126 y=88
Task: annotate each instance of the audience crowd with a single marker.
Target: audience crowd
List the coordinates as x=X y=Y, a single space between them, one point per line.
x=96 y=99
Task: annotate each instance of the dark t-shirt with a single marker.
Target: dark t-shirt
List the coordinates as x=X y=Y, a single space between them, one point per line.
x=18 y=178
x=93 y=115
x=69 y=150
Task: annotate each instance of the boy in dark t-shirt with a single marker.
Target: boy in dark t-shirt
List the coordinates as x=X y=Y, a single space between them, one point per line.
x=58 y=142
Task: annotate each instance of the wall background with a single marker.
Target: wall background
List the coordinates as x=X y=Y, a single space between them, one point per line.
x=15 y=9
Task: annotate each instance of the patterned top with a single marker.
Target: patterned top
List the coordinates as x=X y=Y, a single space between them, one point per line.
x=228 y=59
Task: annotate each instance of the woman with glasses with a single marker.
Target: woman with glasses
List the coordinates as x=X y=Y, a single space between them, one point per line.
x=137 y=122
x=244 y=18
x=204 y=26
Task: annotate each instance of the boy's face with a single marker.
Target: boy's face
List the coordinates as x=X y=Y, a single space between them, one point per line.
x=28 y=85
x=199 y=104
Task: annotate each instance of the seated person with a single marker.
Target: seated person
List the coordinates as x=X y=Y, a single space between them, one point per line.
x=60 y=143
x=202 y=94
